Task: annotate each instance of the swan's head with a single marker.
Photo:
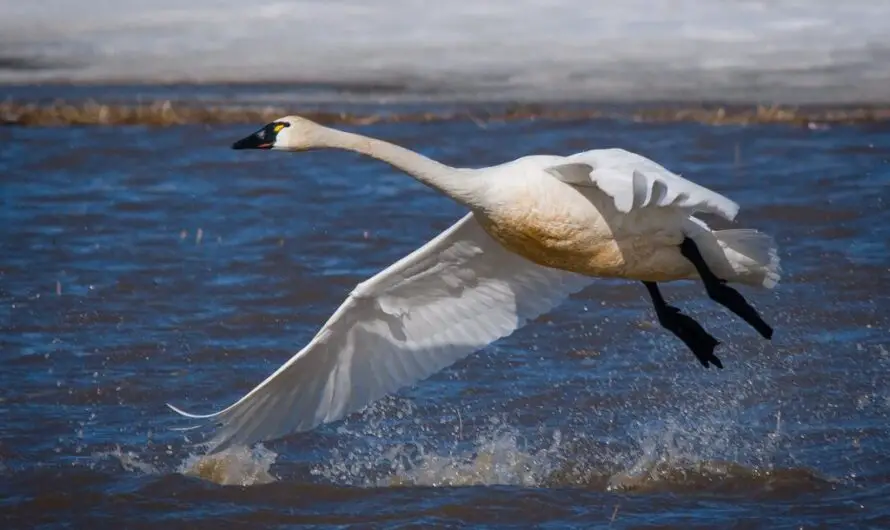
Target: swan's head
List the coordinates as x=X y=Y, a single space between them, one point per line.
x=290 y=133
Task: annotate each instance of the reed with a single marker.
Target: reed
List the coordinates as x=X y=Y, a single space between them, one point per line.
x=168 y=113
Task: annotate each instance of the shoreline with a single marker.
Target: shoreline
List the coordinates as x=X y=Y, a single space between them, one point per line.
x=165 y=113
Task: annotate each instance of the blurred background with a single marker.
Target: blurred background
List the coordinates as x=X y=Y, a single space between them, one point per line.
x=768 y=51
x=143 y=262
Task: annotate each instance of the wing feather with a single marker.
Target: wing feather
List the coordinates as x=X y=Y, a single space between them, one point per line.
x=439 y=304
x=634 y=181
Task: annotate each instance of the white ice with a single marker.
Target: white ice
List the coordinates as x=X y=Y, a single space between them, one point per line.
x=801 y=50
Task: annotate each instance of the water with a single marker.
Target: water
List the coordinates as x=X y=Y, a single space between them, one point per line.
x=789 y=51
x=142 y=266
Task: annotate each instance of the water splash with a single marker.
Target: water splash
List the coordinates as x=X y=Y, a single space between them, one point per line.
x=708 y=443
x=675 y=455
x=502 y=457
x=130 y=461
x=498 y=455
x=237 y=466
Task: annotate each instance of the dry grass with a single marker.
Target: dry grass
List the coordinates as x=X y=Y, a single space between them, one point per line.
x=166 y=113
x=773 y=114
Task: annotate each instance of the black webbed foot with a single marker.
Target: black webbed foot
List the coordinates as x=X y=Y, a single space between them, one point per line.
x=722 y=293
x=685 y=328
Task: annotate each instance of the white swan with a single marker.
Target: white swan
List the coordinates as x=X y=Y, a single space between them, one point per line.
x=539 y=229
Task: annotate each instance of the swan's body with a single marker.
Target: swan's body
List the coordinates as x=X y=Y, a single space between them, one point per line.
x=538 y=209
x=539 y=229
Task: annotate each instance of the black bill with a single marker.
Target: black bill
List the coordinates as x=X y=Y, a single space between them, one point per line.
x=262 y=139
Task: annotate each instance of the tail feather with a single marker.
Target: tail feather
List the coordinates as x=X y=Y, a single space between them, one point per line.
x=753 y=256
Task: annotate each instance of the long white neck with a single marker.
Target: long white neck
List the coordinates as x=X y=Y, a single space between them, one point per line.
x=464 y=186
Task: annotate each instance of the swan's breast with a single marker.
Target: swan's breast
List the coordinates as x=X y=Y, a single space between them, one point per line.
x=564 y=229
x=556 y=241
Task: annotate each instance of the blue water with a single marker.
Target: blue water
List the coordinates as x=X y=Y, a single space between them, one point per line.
x=142 y=266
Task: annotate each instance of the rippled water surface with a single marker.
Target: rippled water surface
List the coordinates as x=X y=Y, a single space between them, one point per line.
x=142 y=266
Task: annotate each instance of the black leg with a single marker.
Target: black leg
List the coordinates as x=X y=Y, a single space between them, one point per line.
x=685 y=328
x=722 y=293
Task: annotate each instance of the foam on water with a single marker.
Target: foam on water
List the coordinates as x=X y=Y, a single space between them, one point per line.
x=809 y=50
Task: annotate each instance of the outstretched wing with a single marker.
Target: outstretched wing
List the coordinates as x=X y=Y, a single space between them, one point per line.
x=442 y=302
x=634 y=181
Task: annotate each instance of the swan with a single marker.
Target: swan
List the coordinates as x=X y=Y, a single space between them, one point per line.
x=539 y=229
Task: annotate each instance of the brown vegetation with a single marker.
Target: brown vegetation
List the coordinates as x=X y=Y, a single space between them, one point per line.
x=166 y=113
